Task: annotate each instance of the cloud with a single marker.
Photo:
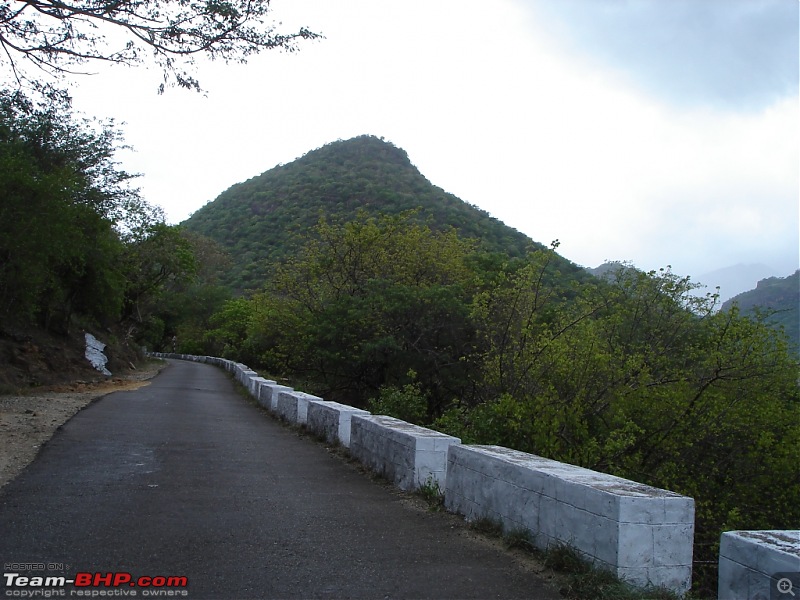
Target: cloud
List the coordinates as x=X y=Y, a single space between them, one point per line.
x=735 y=54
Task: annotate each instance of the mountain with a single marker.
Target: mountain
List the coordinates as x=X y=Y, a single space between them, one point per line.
x=776 y=295
x=608 y=269
x=261 y=221
x=735 y=279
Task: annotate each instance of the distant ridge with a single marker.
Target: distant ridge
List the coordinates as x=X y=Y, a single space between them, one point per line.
x=259 y=221
x=779 y=296
x=735 y=279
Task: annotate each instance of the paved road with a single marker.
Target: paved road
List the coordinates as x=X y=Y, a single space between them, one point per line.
x=186 y=478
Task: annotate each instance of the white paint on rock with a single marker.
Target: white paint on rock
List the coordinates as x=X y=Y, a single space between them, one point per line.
x=94 y=354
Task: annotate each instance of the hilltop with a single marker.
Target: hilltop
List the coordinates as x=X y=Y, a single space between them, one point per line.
x=779 y=297
x=260 y=220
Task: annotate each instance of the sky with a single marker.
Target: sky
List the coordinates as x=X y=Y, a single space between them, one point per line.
x=661 y=132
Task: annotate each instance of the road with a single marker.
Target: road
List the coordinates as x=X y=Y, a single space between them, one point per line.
x=187 y=478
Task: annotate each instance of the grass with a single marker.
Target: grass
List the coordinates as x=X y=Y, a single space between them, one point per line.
x=580 y=580
x=432 y=494
x=584 y=581
x=487 y=526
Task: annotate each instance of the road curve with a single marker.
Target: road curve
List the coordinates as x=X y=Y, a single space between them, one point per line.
x=186 y=478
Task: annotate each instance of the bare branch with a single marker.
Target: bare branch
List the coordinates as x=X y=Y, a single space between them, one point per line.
x=57 y=35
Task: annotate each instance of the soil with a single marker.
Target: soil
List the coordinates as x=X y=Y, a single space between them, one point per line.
x=29 y=419
x=45 y=379
x=31 y=357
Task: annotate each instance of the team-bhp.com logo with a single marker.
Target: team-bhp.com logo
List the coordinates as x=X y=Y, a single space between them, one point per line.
x=94 y=585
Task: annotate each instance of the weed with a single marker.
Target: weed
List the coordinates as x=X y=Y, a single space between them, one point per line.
x=520 y=539
x=586 y=582
x=487 y=526
x=582 y=580
x=432 y=494
x=564 y=558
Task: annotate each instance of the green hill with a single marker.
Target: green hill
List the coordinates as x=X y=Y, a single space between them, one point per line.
x=260 y=220
x=780 y=298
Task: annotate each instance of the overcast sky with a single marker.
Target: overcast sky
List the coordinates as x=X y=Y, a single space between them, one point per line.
x=656 y=131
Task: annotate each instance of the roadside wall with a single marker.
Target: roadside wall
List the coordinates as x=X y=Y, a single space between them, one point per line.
x=640 y=533
x=759 y=564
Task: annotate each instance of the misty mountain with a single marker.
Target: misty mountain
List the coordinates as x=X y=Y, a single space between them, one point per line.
x=262 y=220
x=779 y=298
x=735 y=279
x=608 y=269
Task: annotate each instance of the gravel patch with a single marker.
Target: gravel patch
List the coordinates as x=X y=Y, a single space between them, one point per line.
x=27 y=421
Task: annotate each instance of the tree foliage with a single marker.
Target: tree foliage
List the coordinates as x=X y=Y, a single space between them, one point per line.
x=633 y=374
x=366 y=301
x=76 y=238
x=777 y=300
x=56 y=36
x=643 y=379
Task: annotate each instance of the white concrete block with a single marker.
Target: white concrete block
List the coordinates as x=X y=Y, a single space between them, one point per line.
x=244 y=376
x=254 y=386
x=264 y=395
x=332 y=420
x=292 y=406
x=407 y=454
x=752 y=562
x=268 y=395
x=619 y=524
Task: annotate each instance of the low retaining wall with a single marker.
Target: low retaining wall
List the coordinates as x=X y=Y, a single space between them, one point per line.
x=759 y=565
x=642 y=534
x=408 y=455
x=254 y=387
x=332 y=420
x=268 y=395
x=292 y=406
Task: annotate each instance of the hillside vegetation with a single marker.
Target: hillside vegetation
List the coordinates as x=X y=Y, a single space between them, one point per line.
x=778 y=300
x=372 y=287
x=80 y=249
x=264 y=220
x=369 y=285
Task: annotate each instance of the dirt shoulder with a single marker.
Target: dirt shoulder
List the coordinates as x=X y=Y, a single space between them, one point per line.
x=28 y=420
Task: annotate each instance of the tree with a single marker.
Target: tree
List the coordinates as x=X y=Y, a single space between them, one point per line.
x=639 y=377
x=162 y=256
x=365 y=302
x=58 y=35
x=185 y=308
x=65 y=209
x=76 y=238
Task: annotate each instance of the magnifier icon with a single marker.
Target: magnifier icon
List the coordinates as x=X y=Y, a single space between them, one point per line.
x=785 y=586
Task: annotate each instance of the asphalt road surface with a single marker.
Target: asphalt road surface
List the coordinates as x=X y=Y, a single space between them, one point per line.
x=186 y=478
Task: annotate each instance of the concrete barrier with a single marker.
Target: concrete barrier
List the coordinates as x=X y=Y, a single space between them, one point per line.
x=292 y=406
x=408 y=455
x=332 y=420
x=254 y=387
x=244 y=374
x=642 y=534
x=753 y=564
x=268 y=395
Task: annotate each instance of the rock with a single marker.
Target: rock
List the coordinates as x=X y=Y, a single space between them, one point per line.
x=94 y=354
